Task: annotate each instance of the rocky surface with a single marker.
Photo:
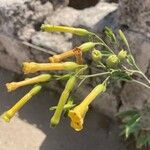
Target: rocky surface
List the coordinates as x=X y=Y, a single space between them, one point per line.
x=30 y=130
x=135 y=15
x=21 y=20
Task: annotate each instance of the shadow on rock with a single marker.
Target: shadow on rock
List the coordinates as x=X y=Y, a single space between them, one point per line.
x=98 y=133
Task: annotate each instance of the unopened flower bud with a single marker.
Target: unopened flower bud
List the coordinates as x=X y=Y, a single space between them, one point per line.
x=96 y=55
x=112 y=61
x=122 y=54
x=87 y=46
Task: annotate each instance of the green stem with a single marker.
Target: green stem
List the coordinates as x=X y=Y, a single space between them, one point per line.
x=82 y=81
x=89 y=76
x=95 y=75
x=141 y=83
x=81 y=70
x=137 y=71
x=144 y=76
x=103 y=43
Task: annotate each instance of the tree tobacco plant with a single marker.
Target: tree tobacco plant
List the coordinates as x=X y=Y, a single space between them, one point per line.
x=112 y=65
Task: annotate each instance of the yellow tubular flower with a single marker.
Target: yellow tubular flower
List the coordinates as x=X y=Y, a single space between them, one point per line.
x=85 y=47
x=77 y=117
x=78 y=113
x=77 y=31
x=11 y=112
x=41 y=78
x=63 y=98
x=62 y=56
x=33 y=67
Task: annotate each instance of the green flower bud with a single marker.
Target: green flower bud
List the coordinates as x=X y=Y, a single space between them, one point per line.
x=87 y=46
x=122 y=54
x=112 y=61
x=96 y=55
x=71 y=65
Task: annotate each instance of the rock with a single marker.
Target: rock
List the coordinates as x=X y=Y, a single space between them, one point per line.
x=133 y=18
x=12 y=53
x=59 y=3
x=140 y=47
x=134 y=95
x=21 y=20
x=65 y=16
x=106 y=104
x=145 y=120
x=97 y=13
x=71 y=17
x=54 y=42
x=26 y=32
x=22 y=15
x=135 y=15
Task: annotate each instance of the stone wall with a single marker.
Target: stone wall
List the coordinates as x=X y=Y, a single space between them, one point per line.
x=21 y=20
x=21 y=38
x=133 y=18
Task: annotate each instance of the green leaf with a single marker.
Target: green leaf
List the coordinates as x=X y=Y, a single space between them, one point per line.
x=134 y=119
x=67 y=106
x=132 y=125
x=121 y=75
x=142 y=140
x=127 y=113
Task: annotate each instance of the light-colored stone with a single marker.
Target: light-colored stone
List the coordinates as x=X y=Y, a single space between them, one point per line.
x=21 y=20
x=92 y=16
x=55 y=42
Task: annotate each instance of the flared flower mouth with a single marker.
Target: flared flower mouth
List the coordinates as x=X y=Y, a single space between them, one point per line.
x=11 y=86
x=77 y=117
x=29 y=67
x=76 y=120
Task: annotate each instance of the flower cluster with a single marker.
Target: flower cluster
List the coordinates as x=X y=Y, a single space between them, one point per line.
x=113 y=63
